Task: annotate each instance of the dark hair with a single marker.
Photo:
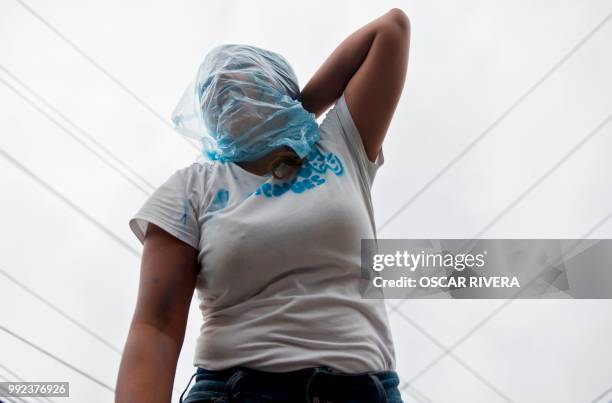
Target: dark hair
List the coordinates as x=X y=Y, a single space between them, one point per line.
x=288 y=157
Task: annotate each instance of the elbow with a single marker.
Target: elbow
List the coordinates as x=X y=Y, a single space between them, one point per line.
x=399 y=19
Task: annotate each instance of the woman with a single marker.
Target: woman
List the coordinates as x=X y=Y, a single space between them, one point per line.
x=269 y=235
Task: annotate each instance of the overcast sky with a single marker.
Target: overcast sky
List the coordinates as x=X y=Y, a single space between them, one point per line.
x=470 y=61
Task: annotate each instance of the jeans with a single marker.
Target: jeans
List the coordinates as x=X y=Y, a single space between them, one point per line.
x=310 y=385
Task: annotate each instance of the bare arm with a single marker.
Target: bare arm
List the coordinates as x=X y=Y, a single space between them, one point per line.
x=167 y=281
x=370 y=67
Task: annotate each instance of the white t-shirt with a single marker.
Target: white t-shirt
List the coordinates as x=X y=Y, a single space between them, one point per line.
x=280 y=259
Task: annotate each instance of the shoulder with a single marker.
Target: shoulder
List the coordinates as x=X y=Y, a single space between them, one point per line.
x=189 y=182
x=197 y=169
x=174 y=205
x=192 y=176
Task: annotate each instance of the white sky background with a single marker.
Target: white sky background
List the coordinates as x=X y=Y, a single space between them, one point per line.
x=469 y=61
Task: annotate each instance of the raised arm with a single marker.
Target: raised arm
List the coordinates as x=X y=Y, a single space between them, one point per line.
x=370 y=67
x=167 y=281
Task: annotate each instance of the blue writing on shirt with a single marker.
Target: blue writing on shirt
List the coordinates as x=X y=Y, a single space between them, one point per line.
x=220 y=201
x=185 y=215
x=310 y=175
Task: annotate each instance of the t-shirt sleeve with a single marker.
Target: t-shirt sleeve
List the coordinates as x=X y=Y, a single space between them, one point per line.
x=173 y=207
x=353 y=142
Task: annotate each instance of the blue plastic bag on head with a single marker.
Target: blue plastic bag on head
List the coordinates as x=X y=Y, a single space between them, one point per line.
x=243 y=104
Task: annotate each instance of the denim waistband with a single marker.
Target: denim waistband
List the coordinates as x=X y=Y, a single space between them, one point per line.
x=304 y=385
x=225 y=374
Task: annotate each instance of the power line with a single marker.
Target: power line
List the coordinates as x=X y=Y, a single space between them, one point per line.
x=59 y=360
x=14 y=375
x=497 y=310
x=453 y=356
x=70 y=204
x=83 y=132
x=108 y=152
x=3 y=389
x=112 y=78
x=496 y=122
x=5 y=379
x=537 y=183
x=101 y=69
x=533 y=186
x=73 y=136
x=486 y=132
x=543 y=177
x=601 y=396
x=64 y=315
x=61 y=312
x=505 y=211
x=403 y=207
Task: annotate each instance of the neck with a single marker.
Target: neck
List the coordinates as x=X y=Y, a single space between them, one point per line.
x=260 y=166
